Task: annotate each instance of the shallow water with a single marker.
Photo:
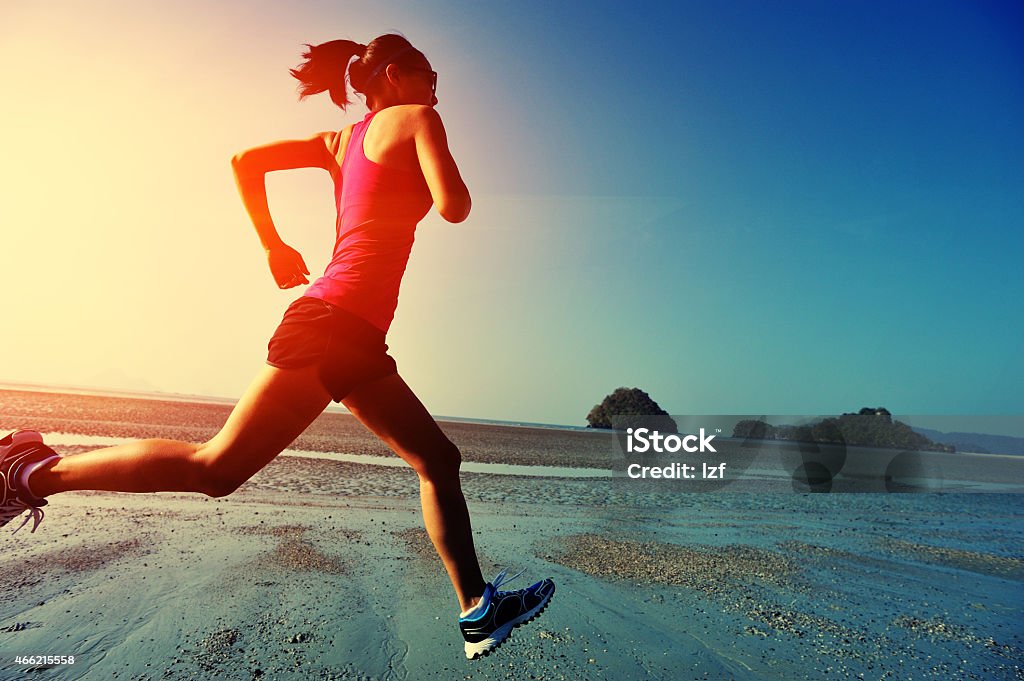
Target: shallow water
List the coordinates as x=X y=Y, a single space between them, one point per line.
x=77 y=440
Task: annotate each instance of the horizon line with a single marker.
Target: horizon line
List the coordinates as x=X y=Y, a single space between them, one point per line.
x=102 y=391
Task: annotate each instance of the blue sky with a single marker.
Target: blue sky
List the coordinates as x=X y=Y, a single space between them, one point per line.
x=793 y=207
x=835 y=215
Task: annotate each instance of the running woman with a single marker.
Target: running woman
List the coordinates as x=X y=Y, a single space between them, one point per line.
x=388 y=169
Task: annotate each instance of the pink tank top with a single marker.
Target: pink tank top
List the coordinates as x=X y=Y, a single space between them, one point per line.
x=378 y=209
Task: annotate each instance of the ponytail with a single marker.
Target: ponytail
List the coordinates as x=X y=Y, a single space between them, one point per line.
x=327 y=66
x=324 y=69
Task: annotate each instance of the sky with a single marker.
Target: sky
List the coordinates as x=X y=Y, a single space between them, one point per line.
x=740 y=208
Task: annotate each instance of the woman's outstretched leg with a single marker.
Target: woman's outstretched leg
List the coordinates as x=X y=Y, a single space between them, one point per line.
x=391 y=411
x=277 y=406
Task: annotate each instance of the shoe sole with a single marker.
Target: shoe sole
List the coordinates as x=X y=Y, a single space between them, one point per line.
x=504 y=633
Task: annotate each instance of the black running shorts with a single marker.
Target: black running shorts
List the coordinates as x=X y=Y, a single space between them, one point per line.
x=349 y=350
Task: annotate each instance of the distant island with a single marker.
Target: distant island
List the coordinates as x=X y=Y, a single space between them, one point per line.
x=978 y=443
x=624 y=403
x=870 y=427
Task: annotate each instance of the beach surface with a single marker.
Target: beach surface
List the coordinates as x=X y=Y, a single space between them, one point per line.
x=320 y=569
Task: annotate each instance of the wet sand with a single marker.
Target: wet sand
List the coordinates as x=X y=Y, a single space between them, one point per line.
x=321 y=569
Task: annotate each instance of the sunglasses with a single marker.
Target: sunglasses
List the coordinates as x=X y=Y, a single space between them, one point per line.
x=433 y=78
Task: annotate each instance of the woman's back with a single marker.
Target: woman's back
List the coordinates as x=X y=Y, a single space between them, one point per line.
x=390 y=139
x=379 y=177
x=381 y=195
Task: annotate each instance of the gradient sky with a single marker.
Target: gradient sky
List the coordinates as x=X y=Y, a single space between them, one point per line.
x=742 y=207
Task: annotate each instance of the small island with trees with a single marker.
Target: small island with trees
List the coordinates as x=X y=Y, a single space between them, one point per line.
x=870 y=427
x=629 y=402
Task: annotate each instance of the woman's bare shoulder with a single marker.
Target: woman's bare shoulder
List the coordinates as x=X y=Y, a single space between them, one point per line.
x=337 y=142
x=409 y=113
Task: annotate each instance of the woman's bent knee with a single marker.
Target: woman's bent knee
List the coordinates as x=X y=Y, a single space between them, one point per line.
x=219 y=488
x=210 y=475
x=440 y=464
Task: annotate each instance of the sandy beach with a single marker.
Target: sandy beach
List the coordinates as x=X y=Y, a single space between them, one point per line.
x=321 y=569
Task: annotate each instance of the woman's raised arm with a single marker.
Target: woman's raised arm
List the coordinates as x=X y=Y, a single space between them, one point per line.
x=252 y=165
x=314 y=152
x=250 y=168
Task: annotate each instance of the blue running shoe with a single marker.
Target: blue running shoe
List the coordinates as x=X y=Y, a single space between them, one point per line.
x=17 y=450
x=487 y=628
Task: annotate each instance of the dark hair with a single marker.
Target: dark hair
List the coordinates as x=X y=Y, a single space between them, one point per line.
x=327 y=66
